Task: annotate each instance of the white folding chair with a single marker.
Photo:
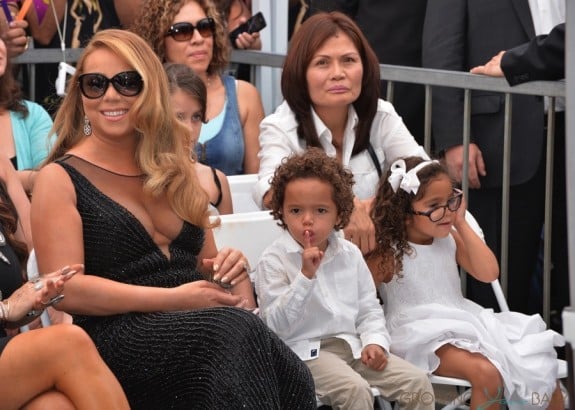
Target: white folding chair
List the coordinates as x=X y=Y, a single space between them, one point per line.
x=241 y=187
x=251 y=232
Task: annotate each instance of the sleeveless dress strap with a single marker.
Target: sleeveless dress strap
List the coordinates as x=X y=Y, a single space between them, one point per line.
x=219 y=185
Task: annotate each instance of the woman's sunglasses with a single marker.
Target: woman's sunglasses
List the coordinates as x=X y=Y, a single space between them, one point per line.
x=94 y=85
x=184 y=31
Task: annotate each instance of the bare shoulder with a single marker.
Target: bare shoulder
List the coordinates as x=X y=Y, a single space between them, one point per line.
x=5 y=167
x=221 y=176
x=203 y=171
x=247 y=91
x=52 y=171
x=53 y=180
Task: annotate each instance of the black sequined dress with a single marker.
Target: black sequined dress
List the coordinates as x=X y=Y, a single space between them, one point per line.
x=216 y=358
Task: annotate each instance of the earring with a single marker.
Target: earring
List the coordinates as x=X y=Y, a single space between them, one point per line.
x=87 y=126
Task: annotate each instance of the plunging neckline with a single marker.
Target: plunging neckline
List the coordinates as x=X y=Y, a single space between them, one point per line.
x=123 y=209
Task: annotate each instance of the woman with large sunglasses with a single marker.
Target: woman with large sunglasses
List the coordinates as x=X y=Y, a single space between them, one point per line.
x=120 y=195
x=191 y=32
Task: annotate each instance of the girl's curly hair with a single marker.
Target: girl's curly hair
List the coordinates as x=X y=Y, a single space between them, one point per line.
x=314 y=163
x=390 y=212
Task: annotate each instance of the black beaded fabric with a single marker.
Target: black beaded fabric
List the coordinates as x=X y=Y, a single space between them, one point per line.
x=214 y=358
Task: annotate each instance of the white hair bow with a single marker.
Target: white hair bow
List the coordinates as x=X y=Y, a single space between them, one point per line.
x=406 y=180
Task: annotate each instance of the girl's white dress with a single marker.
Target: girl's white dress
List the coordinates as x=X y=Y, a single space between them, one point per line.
x=425 y=309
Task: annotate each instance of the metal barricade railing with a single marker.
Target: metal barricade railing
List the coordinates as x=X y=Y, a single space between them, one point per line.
x=429 y=79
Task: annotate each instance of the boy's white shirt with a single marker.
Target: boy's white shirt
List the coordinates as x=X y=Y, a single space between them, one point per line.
x=340 y=301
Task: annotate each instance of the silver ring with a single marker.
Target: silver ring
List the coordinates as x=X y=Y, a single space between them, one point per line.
x=55 y=300
x=37 y=284
x=34 y=313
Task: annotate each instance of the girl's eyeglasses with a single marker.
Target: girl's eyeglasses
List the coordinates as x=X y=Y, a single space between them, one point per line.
x=185 y=31
x=437 y=213
x=94 y=85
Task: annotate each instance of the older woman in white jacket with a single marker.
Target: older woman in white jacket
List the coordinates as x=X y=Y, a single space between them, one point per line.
x=330 y=82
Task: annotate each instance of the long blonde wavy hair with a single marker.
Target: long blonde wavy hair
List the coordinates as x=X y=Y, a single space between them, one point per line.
x=160 y=153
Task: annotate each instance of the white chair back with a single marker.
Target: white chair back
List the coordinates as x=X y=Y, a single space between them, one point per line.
x=241 y=187
x=250 y=232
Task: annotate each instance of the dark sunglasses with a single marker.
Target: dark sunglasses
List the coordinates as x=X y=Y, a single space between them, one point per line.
x=94 y=85
x=185 y=31
x=437 y=213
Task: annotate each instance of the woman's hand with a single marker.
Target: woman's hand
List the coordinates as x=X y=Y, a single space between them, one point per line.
x=16 y=38
x=247 y=41
x=360 y=229
x=229 y=266
x=202 y=294
x=39 y=293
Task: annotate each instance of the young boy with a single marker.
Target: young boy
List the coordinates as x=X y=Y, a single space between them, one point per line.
x=317 y=293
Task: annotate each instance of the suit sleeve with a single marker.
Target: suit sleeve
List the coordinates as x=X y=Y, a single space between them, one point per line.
x=543 y=58
x=444 y=47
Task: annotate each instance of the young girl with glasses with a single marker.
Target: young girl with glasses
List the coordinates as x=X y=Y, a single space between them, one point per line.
x=422 y=237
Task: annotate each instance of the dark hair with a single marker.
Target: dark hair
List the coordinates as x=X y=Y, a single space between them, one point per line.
x=312 y=34
x=11 y=97
x=314 y=163
x=390 y=211
x=182 y=77
x=9 y=221
x=225 y=8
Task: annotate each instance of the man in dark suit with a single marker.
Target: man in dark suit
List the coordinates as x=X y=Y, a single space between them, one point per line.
x=393 y=29
x=459 y=35
x=542 y=58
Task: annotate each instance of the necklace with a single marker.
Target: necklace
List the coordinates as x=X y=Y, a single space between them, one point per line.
x=208 y=82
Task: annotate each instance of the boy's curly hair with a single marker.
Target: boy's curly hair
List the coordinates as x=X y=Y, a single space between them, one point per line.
x=314 y=163
x=390 y=212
